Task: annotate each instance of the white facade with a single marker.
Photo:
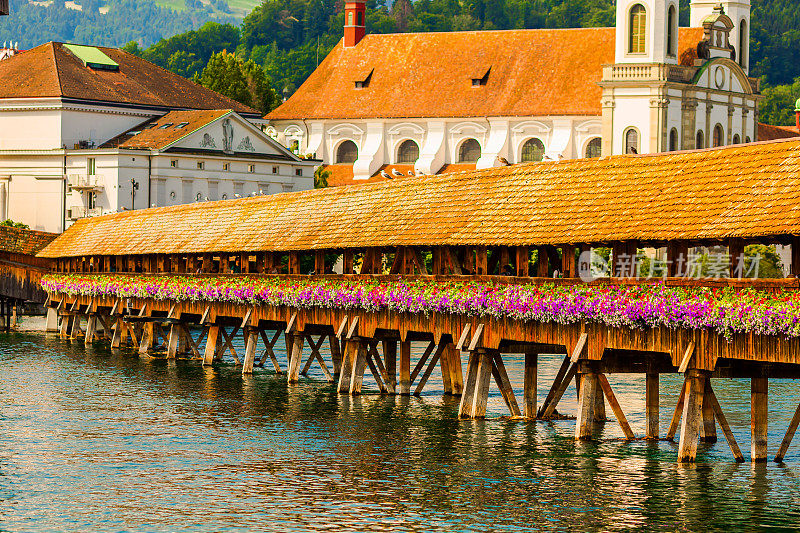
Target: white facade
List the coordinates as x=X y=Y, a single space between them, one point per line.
x=650 y=92
x=52 y=171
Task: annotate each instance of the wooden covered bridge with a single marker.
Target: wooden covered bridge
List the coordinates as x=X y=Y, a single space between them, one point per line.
x=516 y=226
x=20 y=270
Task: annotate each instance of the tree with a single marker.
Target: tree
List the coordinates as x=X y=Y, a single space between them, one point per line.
x=11 y=224
x=245 y=82
x=321 y=177
x=778 y=105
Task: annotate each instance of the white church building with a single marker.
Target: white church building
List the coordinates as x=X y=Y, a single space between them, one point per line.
x=86 y=131
x=430 y=103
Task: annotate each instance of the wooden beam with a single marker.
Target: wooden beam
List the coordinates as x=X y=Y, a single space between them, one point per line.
x=708 y=431
x=483 y=377
x=359 y=365
x=319 y=261
x=251 y=342
x=711 y=398
x=295 y=349
x=504 y=384
x=615 y=407
x=687 y=358
x=736 y=254
x=678 y=413
x=424 y=379
x=481 y=261
x=405 y=367
x=787 y=439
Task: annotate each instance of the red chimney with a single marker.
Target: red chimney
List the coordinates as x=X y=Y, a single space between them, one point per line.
x=355 y=14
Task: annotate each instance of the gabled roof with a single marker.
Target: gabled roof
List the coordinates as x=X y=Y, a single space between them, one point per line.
x=772 y=133
x=750 y=190
x=531 y=73
x=52 y=71
x=159 y=133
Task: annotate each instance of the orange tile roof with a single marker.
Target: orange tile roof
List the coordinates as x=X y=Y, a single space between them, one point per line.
x=24 y=241
x=50 y=70
x=456 y=167
x=533 y=73
x=772 y=133
x=746 y=190
x=153 y=135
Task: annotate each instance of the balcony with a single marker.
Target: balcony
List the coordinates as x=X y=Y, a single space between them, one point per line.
x=84 y=182
x=648 y=72
x=77 y=212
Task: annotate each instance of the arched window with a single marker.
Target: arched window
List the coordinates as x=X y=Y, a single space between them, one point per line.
x=673 y=140
x=469 y=151
x=747 y=140
x=737 y=139
x=532 y=150
x=719 y=135
x=408 y=152
x=743 y=41
x=350 y=18
x=594 y=148
x=347 y=152
x=638 y=30
x=631 y=141
x=672 y=29
x=700 y=140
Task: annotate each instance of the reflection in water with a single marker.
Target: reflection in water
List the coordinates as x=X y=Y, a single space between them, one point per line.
x=100 y=441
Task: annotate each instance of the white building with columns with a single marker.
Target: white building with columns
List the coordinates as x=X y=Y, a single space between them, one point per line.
x=86 y=131
x=429 y=103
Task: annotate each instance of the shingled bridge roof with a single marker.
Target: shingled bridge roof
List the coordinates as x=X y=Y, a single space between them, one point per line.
x=740 y=191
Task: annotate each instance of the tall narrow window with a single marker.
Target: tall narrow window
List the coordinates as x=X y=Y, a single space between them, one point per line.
x=91 y=166
x=350 y=18
x=737 y=139
x=469 y=151
x=700 y=142
x=347 y=152
x=631 y=141
x=719 y=135
x=672 y=27
x=743 y=40
x=594 y=148
x=638 y=30
x=408 y=152
x=673 y=140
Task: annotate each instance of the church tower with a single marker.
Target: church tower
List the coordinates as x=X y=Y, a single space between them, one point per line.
x=355 y=26
x=739 y=13
x=647 y=31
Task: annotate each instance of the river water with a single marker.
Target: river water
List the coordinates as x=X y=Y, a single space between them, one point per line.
x=95 y=441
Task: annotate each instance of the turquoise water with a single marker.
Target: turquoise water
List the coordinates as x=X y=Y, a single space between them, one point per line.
x=94 y=441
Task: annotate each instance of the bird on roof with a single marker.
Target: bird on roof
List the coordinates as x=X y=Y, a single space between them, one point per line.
x=397 y=173
x=207 y=198
x=237 y=195
x=503 y=161
x=385 y=175
x=411 y=173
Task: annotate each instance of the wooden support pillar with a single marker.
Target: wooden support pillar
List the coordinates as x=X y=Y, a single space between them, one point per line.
x=319 y=261
x=736 y=254
x=390 y=357
x=708 y=431
x=405 y=367
x=211 y=345
x=250 y=343
x=759 y=389
x=587 y=401
x=444 y=364
x=347 y=262
x=530 y=383
x=294 y=263
x=174 y=341
x=483 y=376
x=294 y=347
x=456 y=373
x=522 y=260
x=651 y=394
x=91 y=327
x=481 y=260
x=692 y=416
x=359 y=366
x=677 y=256
x=795 y=250
x=568 y=262
x=542 y=262
x=346 y=370
x=505 y=258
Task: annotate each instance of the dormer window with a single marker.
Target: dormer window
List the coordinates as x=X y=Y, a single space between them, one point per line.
x=167 y=125
x=181 y=125
x=363 y=78
x=481 y=76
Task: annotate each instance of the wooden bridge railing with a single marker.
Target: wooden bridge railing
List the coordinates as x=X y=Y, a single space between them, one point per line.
x=519 y=262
